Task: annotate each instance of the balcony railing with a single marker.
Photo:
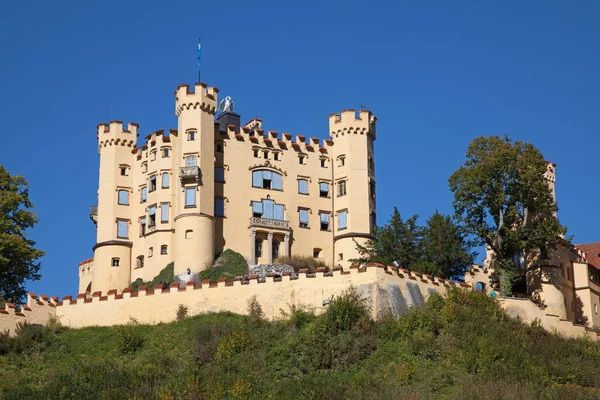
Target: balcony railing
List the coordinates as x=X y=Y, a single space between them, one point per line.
x=269 y=223
x=94 y=214
x=190 y=174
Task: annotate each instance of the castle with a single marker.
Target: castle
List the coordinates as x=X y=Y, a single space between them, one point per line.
x=213 y=184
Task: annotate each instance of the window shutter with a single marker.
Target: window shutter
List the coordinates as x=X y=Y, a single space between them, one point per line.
x=220 y=174
x=278 y=212
x=257 y=207
x=165 y=180
x=303 y=186
x=276 y=182
x=144 y=193
x=152 y=210
x=220 y=207
x=122 y=229
x=304 y=216
x=324 y=218
x=257 y=178
x=267 y=175
x=268 y=206
x=164 y=212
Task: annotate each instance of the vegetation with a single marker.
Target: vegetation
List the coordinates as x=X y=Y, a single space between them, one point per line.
x=502 y=198
x=166 y=276
x=299 y=262
x=462 y=346
x=228 y=265
x=440 y=248
x=18 y=256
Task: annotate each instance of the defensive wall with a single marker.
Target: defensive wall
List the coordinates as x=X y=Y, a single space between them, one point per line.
x=387 y=291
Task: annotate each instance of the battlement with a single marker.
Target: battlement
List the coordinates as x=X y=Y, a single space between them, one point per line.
x=348 y=121
x=200 y=96
x=112 y=133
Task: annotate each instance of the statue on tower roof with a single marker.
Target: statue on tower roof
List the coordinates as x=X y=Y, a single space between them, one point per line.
x=226 y=105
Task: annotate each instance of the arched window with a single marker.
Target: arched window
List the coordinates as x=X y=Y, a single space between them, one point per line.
x=266 y=179
x=190 y=161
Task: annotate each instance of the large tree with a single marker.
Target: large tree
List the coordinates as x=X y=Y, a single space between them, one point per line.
x=398 y=240
x=502 y=198
x=446 y=250
x=18 y=256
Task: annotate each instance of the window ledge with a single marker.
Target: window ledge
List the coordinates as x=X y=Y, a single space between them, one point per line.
x=190 y=206
x=304 y=227
x=342 y=229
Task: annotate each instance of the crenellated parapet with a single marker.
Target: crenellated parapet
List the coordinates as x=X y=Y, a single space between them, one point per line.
x=349 y=122
x=113 y=134
x=38 y=310
x=200 y=96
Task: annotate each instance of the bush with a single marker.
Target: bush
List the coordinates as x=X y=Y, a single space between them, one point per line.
x=228 y=265
x=297 y=317
x=166 y=276
x=182 y=312
x=255 y=311
x=129 y=338
x=302 y=262
x=346 y=311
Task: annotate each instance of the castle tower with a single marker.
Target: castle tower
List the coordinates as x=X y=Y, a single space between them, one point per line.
x=112 y=252
x=354 y=203
x=194 y=162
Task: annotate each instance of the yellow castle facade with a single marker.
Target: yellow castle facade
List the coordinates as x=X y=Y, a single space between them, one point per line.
x=214 y=184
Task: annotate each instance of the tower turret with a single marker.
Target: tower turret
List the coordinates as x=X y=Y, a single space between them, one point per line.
x=354 y=202
x=194 y=221
x=112 y=252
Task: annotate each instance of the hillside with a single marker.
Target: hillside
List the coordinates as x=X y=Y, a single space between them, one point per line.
x=463 y=346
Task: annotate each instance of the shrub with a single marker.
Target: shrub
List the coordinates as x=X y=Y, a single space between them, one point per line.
x=228 y=265
x=297 y=317
x=30 y=337
x=166 y=276
x=346 y=311
x=129 y=337
x=182 y=312
x=255 y=311
x=302 y=262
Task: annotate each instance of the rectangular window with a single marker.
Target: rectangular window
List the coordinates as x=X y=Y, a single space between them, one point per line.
x=144 y=194
x=255 y=153
x=324 y=221
x=150 y=251
x=123 y=171
x=276 y=182
x=323 y=163
x=190 y=197
x=219 y=207
x=153 y=183
x=142 y=227
x=267 y=175
x=190 y=161
x=302 y=186
x=341 y=161
x=303 y=218
x=163 y=249
x=341 y=188
x=257 y=209
x=165 y=153
x=342 y=219
x=301 y=160
x=164 y=212
x=165 y=180
x=266 y=155
x=324 y=189
x=278 y=212
x=153 y=156
x=122 y=229
x=220 y=174
x=124 y=197
x=191 y=136
x=276 y=156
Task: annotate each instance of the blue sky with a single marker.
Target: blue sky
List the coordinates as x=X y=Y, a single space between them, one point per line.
x=436 y=74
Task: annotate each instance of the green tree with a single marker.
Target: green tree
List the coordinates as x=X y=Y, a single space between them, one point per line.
x=398 y=240
x=18 y=256
x=446 y=250
x=502 y=198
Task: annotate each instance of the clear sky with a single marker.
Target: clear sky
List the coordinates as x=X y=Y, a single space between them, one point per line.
x=435 y=73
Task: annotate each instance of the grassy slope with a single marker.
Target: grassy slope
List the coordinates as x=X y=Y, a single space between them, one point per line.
x=460 y=347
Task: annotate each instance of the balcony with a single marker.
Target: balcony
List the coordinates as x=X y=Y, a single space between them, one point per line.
x=94 y=214
x=190 y=175
x=269 y=223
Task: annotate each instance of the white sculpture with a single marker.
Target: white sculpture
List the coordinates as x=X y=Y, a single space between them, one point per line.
x=226 y=104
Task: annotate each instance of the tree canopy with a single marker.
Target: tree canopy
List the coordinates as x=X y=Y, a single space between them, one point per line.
x=18 y=256
x=440 y=248
x=502 y=198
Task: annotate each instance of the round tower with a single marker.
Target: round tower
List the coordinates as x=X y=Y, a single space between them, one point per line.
x=354 y=201
x=112 y=252
x=194 y=163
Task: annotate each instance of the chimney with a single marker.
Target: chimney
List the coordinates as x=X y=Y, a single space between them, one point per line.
x=228 y=118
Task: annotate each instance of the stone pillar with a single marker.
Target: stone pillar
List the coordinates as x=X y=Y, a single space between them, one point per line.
x=253 y=245
x=286 y=245
x=270 y=247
